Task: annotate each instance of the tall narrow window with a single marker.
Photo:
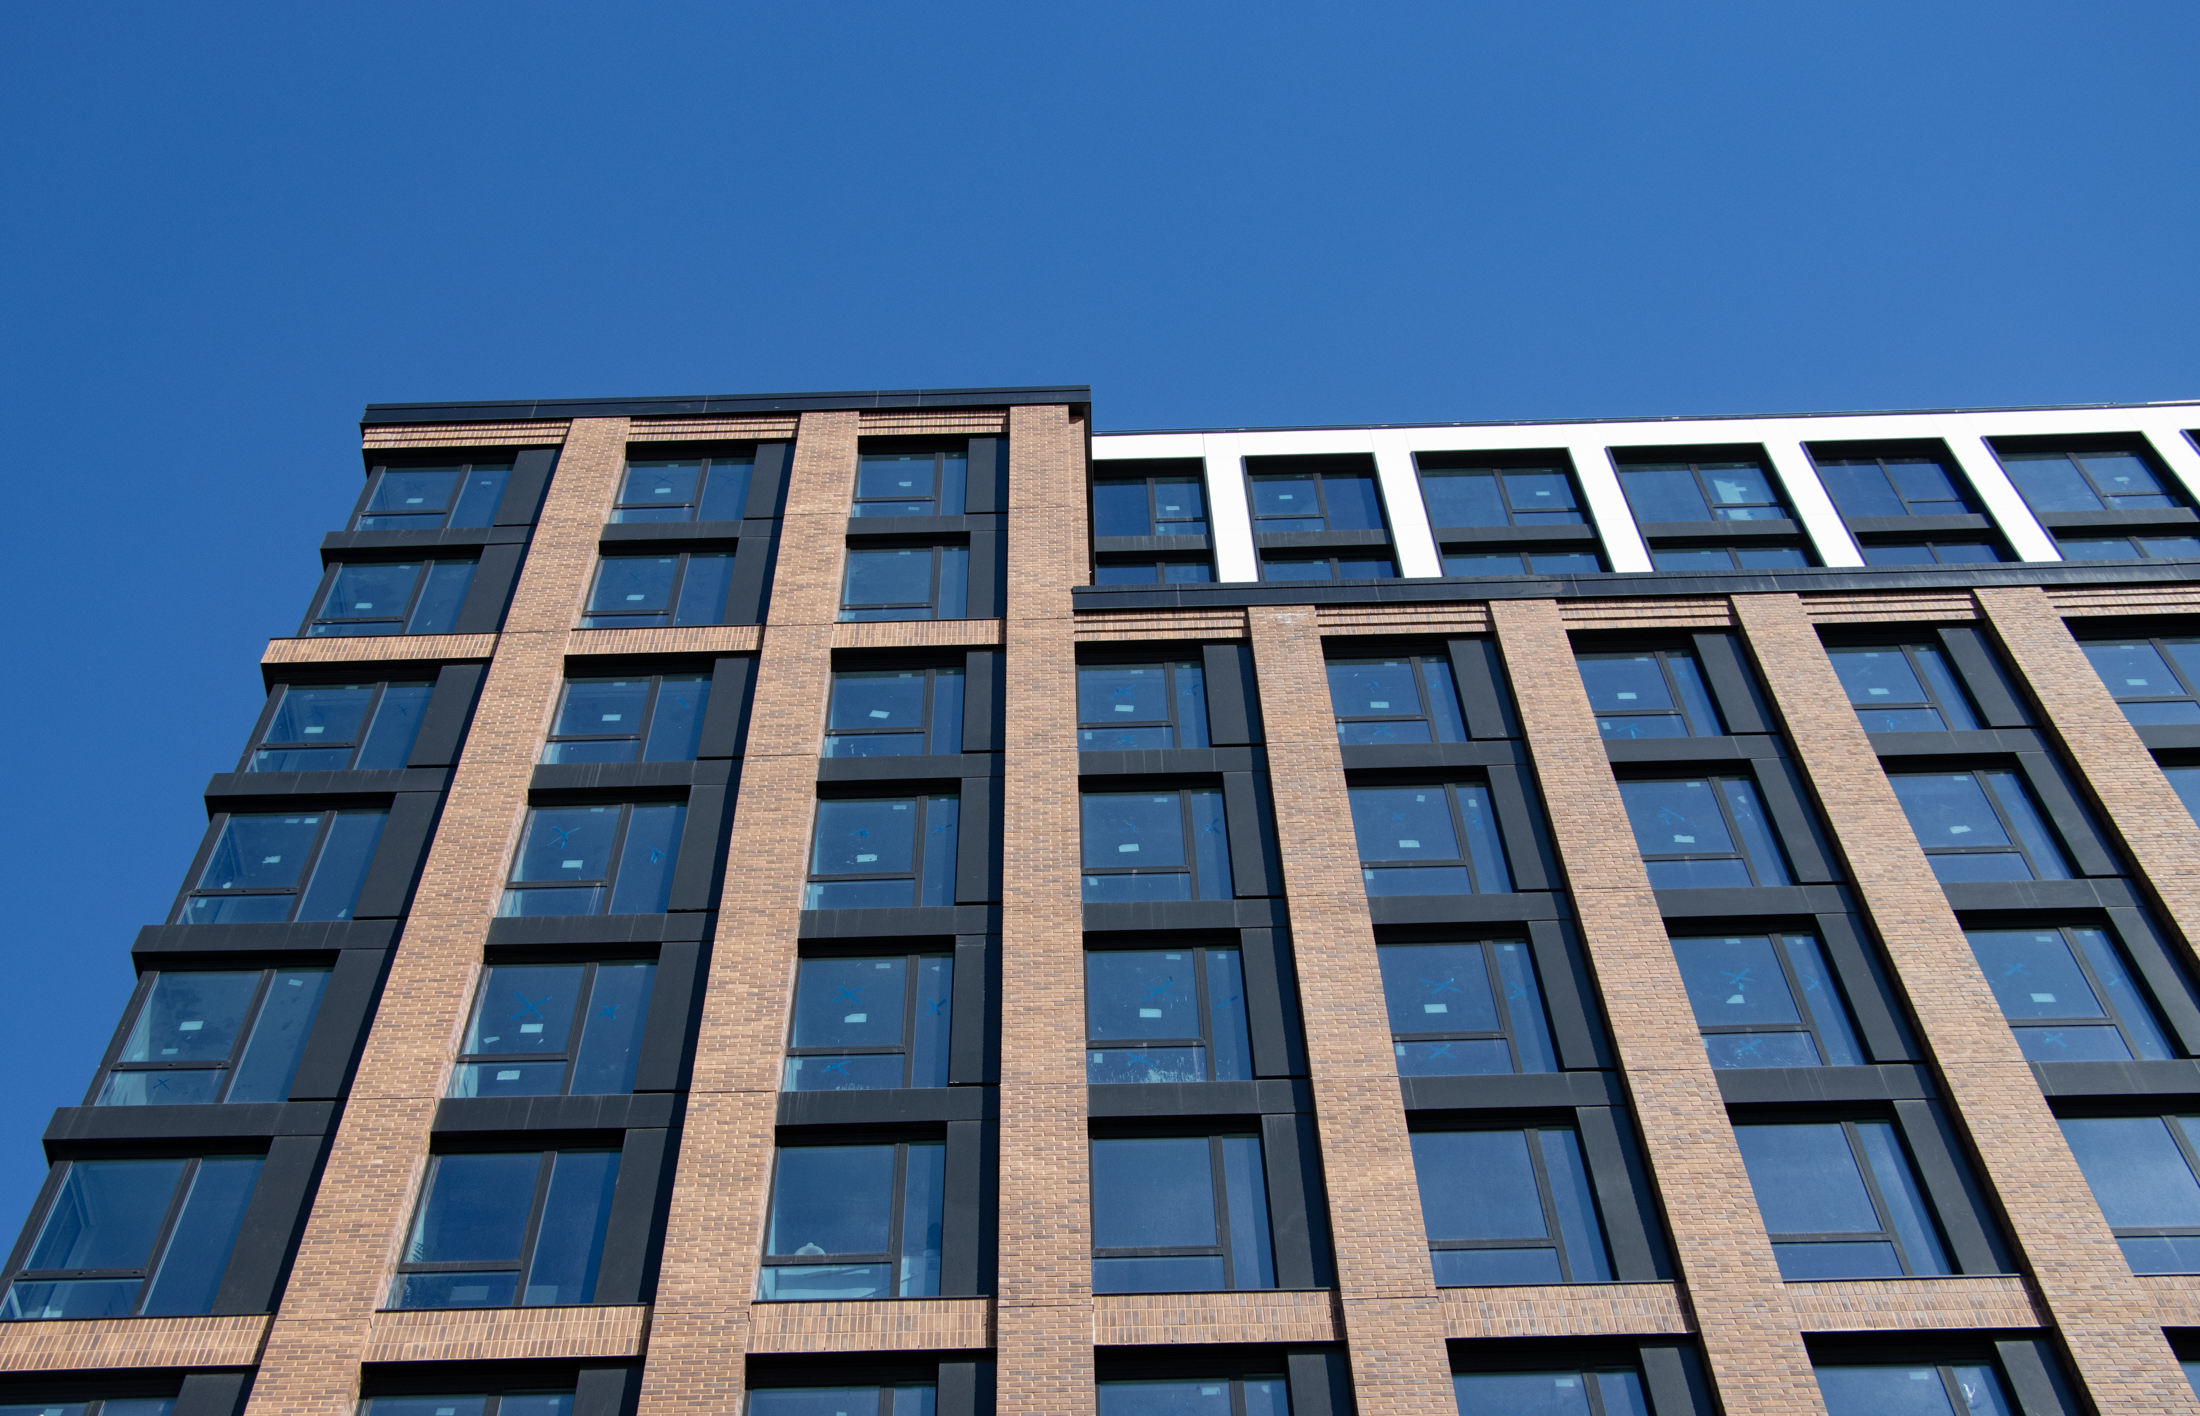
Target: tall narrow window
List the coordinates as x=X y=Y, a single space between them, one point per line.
x=340 y=727
x=508 y=1228
x=577 y=860
x=1125 y=707
x=912 y=483
x=895 y=713
x=1767 y=1001
x=381 y=597
x=867 y=1024
x=464 y=495
x=1433 y=840
x=1660 y=694
x=2114 y=479
x=686 y=489
x=1506 y=1207
x=2069 y=995
x=854 y=1222
x=2155 y=681
x=1709 y=834
x=134 y=1238
x=1180 y=1214
x=1465 y=1009
x=1155 y=846
x=1383 y=701
x=267 y=867
x=907 y=583
x=1166 y=1015
x=1148 y=506
x=232 y=1036
x=555 y=1030
x=2142 y=1173
x=1841 y=1199
x=884 y=853
x=638 y=592
x=1603 y=1392
x=648 y=718
x=1903 y=688
x=1980 y=826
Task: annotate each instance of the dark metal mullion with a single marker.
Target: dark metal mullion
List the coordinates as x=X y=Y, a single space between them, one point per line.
x=900 y=1202
x=1588 y=1391
x=909 y=1011
x=1497 y=991
x=1459 y=834
x=2008 y=827
x=1204 y=1025
x=2100 y=991
x=1673 y=691
x=1321 y=498
x=1879 y=1201
x=313 y=863
x=611 y=864
x=1534 y=1137
x=916 y=874
x=1219 y=1182
x=2161 y=650
x=251 y=1024
x=167 y=1234
x=1191 y=838
x=1168 y=687
x=1925 y=683
x=679 y=580
x=924 y=719
x=934 y=602
x=2192 y=1159
x=580 y=1021
x=1237 y=1397
x=1786 y=966
x=1733 y=827
x=649 y=699
x=534 y=1225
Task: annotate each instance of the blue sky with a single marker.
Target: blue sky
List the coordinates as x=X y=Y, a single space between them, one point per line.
x=223 y=229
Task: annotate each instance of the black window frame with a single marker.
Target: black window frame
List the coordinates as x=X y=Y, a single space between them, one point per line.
x=1908 y=646
x=1798 y=993
x=1887 y=1233
x=156 y=1252
x=311 y=629
x=1183 y=793
x=694 y=506
x=1248 y=1129
x=929 y=728
x=2070 y=868
x=1416 y=662
x=1824 y=455
x=492 y=1395
x=297 y=892
x=111 y=1062
x=668 y=617
x=379 y=688
x=2073 y=451
x=2159 y=643
x=1734 y=831
x=1508 y=1025
x=1592 y=1392
x=1695 y=461
x=1558 y=464
x=615 y=854
x=906 y=1050
x=1201 y=1374
x=2137 y=541
x=1157 y=562
x=897 y=1219
x=464 y=470
x=1734 y=551
x=1546 y=1197
x=939 y=454
x=1203 y=1002
x=1951 y=1385
x=1663 y=654
x=582 y=998
x=1333 y=556
x=1321 y=475
x=530 y=1236
x=921 y=800
x=1157 y=524
x=2137 y=986
x=860 y=613
x=1452 y=551
x=1450 y=788
x=640 y=737
x=1174 y=722
x=1933 y=546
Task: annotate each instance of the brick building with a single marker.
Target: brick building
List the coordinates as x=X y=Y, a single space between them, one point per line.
x=894 y=904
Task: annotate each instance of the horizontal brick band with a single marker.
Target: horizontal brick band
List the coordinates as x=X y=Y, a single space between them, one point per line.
x=1564 y=1310
x=912 y=634
x=686 y=639
x=1271 y=1316
x=498 y=1334
x=379 y=648
x=431 y=435
x=1895 y=1304
x=902 y=1324
x=131 y=1342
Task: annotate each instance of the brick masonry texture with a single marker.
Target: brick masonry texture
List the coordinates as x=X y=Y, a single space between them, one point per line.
x=1935 y=607
x=1904 y=1304
x=715 y=1232
x=1402 y=619
x=356 y=1230
x=370 y=649
x=901 y=1325
x=752 y=429
x=685 y=639
x=2127 y=600
x=427 y=435
x=2089 y=1293
x=898 y=422
x=1641 y=1309
x=1727 y=1270
x=1043 y=1317
x=1394 y=1325
x=1164 y=624
x=99 y=1343
x=1697 y=613
x=1284 y=1315
x=505 y=1334
x=914 y=634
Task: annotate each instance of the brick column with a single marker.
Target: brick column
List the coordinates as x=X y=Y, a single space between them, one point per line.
x=1393 y=1321
x=1733 y=1283
x=2105 y=1316
x=365 y=1199
x=1043 y=1323
x=2137 y=800
x=699 y=1332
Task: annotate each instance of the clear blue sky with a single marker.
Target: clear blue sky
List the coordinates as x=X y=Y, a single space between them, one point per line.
x=225 y=228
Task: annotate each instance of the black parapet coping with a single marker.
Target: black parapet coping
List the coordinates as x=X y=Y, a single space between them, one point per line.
x=906 y=1106
x=167 y=945
x=1278 y=1097
x=241 y=791
x=1754 y=903
x=1172 y=761
x=1802 y=1086
x=343 y=545
x=75 y=1128
x=2167 y=1078
x=1185 y=915
x=559 y=777
x=1458 y=909
x=703 y=405
x=598 y=931
x=649 y=1110
x=1515 y=1092
x=1620 y=585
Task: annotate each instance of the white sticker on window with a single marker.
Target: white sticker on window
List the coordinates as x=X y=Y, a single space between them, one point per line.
x=1378 y=703
x=1959 y=830
x=1126 y=707
x=2136 y=683
x=1149 y=1012
x=571 y=864
x=1131 y=849
x=1435 y=1007
x=1409 y=845
x=1686 y=840
x=880 y=713
x=530 y=1027
x=510 y=1076
x=862 y=858
x=193 y=1026
x=1626 y=695
x=857 y=1018
x=311 y=731
x=271 y=860
x=634 y=597
x=2043 y=998
x=613 y=717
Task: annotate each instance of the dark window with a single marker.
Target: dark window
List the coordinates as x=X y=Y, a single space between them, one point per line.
x=1660 y=694
x=1522 y=562
x=134 y=1238
x=1314 y=501
x=203 y=1037
x=485 y=1220
x=1701 y=491
x=111 y=1406
x=912 y=483
x=884 y=853
x=1931 y=553
x=382 y=597
x=555 y=1030
x=1433 y=840
x=1904 y=688
x=1180 y=1214
x=2129 y=547
x=1315 y=565
x=1608 y=1392
x=267 y=867
x=2185 y=781
x=1707 y=834
x=1767 y=1001
x=907 y=583
x=432 y=498
x=1155 y=846
x=1382 y=701
x=1217 y=1396
x=1166 y=1015
x=2141 y=1170
x=1841 y=1199
x=1149 y=506
x=581 y=860
x=2069 y=994
x=511 y=1403
x=905 y=1399
x=1713 y=559
x=1152 y=572
x=652 y=718
x=1981 y=825
x=2115 y=480
x=2154 y=679
x=340 y=727
x=1129 y=706
x=1461 y=1010
x=1904 y=484
x=637 y=592
x=1507 y=1207
x=1961 y=1389
x=686 y=489
x=895 y=713
x=1500 y=496
x=871 y=1023
x=854 y=1222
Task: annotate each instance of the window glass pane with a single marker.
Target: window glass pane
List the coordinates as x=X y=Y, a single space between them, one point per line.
x=441 y=598
x=942 y=818
x=1948 y=810
x=1120 y=508
x=1123 y=693
x=1758 y=841
x=1675 y=818
x=371 y=591
x=1876 y=678
x=1737 y=484
x=1296 y=568
x=1905 y=1199
x=1735 y=982
x=2120 y=473
x=676 y=728
x=935 y=1008
x=1172 y=1398
x=1403 y=823
x=1524 y=1004
x=850 y=1003
x=413 y=489
x=1245 y=1190
x=279 y=1036
x=631 y=584
x=1576 y=1206
x=1140 y=829
x=342 y=870
x=899 y=576
x=318 y=715
x=1287 y=495
x=954 y=582
x=396 y=724
x=1211 y=841
x=2137 y=1173
x=864 y=702
x=1463 y=499
x=1180 y=500
x=660 y=483
x=1483 y=845
x=1232 y=1059
x=1540 y=498
x=1624 y=683
x=1477 y=1185
x=476 y=1209
x=1485 y=563
x=1695 y=696
x=1690 y=560
x=923 y=1204
x=480 y=495
x=1806 y=1180
x=1861 y=489
x=2049 y=482
x=1152 y=1192
x=2171 y=547
x=258 y=852
x=2033 y=974
x=947 y=711
x=1443 y=697
x=1521 y=1394
x=2125 y=995
x=190 y=1017
x=2133 y=670
x=1955 y=704
x=1143 y=994
x=865 y=837
x=647 y=858
x=703 y=590
x=611 y=1031
x=599 y=706
x=1353 y=503
x=1885 y=1391
x=1185 y=572
x=107 y=1215
x=525 y=1008
x=1662 y=493
x=726 y=491
x=569 y=1245
x=84 y=1298
x=206 y=1230
x=832 y=1200
x=1191 y=705
x=2031 y=827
